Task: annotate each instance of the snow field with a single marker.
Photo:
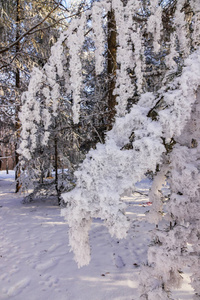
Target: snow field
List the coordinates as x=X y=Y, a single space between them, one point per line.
x=36 y=262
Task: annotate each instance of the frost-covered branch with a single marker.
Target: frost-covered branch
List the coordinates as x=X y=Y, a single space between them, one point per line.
x=96 y=193
x=170 y=252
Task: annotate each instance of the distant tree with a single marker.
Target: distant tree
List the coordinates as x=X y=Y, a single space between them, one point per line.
x=28 y=30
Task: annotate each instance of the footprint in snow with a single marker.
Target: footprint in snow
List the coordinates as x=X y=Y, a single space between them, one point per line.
x=53 y=247
x=49 y=281
x=119 y=261
x=46 y=265
x=18 y=287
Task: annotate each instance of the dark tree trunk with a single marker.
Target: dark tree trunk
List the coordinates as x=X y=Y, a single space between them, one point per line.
x=17 y=101
x=56 y=171
x=111 y=67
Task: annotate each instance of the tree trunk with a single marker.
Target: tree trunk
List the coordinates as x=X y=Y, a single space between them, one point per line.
x=17 y=101
x=111 y=67
x=6 y=162
x=56 y=170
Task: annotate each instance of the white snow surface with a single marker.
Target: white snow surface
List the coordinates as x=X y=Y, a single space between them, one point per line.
x=36 y=262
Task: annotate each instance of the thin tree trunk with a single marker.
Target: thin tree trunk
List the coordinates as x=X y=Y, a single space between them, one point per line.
x=111 y=67
x=56 y=171
x=6 y=162
x=17 y=85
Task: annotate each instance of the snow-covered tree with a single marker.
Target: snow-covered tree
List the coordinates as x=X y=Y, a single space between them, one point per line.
x=45 y=119
x=27 y=31
x=51 y=126
x=177 y=244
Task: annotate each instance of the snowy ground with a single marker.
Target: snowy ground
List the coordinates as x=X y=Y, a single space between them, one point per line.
x=35 y=262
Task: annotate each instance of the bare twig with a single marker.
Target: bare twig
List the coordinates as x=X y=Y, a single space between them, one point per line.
x=143 y=194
